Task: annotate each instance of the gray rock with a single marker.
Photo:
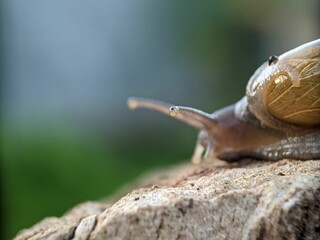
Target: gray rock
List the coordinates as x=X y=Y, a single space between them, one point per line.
x=249 y=200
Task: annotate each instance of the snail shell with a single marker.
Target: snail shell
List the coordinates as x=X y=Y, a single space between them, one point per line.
x=287 y=90
x=278 y=118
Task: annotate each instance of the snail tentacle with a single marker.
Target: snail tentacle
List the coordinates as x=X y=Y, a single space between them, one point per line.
x=194 y=117
x=191 y=116
x=135 y=102
x=197 y=154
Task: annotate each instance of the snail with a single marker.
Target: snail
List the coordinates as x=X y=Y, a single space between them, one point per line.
x=279 y=117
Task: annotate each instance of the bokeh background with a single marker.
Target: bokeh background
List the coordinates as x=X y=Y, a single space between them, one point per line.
x=67 y=68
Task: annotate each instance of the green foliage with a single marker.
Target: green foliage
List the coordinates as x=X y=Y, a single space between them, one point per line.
x=46 y=174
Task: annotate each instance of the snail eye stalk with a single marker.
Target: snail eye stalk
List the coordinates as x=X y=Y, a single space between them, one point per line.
x=191 y=116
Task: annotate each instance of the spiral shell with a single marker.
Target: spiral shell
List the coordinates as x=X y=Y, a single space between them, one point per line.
x=287 y=89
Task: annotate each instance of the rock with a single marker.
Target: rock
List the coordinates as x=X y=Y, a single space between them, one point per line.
x=248 y=200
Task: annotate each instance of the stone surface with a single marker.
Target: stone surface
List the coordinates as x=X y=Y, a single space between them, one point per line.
x=248 y=200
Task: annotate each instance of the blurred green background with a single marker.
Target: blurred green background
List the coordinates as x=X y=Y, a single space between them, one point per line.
x=67 y=68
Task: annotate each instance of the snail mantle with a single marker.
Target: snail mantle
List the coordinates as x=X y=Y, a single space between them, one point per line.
x=243 y=200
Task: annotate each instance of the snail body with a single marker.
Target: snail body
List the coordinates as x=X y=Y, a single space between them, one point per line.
x=279 y=117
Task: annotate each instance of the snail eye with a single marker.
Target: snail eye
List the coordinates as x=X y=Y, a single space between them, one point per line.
x=273 y=60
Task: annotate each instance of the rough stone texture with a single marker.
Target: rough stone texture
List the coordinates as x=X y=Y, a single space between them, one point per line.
x=249 y=200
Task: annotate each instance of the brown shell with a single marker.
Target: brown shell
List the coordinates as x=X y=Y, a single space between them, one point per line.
x=298 y=104
x=288 y=90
